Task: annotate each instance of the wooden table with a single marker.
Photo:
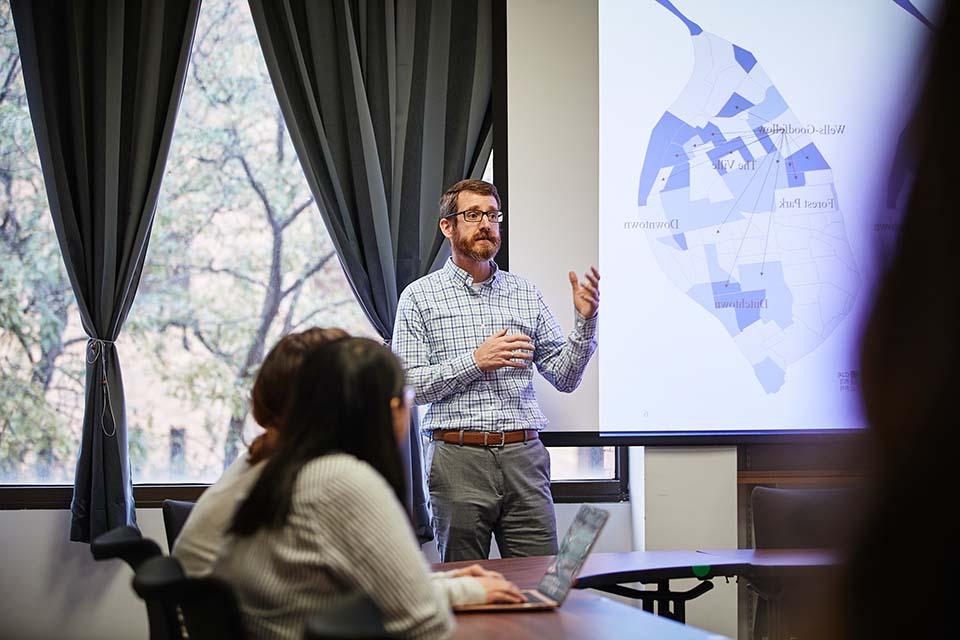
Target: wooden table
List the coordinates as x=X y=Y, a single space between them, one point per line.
x=584 y=614
x=589 y=615
x=785 y=561
x=609 y=572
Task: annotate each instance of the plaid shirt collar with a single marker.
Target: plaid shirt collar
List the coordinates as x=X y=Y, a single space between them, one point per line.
x=460 y=276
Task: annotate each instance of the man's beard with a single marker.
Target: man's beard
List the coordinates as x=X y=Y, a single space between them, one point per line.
x=473 y=249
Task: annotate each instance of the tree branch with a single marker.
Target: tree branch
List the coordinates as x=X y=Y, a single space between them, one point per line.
x=230 y=272
x=300 y=208
x=288 y=319
x=279 y=137
x=304 y=320
x=258 y=188
x=223 y=355
x=194 y=329
x=306 y=275
x=11 y=74
x=73 y=341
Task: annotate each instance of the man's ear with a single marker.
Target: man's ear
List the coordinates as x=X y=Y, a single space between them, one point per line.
x=446 y=227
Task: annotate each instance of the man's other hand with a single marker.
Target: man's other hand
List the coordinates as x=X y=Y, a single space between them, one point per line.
x=501 y=350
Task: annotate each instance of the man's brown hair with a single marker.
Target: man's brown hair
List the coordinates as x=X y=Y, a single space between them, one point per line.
x=448 y=201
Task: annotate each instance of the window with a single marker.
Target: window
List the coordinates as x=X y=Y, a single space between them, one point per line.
x=238 y=257
x=41 y=342
x=587 y=473
x=583 y=463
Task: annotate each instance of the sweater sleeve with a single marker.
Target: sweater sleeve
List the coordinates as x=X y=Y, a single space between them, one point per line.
x=458 y=590
x=374 y=550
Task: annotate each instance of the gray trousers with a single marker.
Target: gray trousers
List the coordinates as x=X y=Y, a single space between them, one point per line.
x=479 y=491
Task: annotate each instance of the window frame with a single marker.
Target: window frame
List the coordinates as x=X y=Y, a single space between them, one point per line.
x=616 y=489
x=14 y=497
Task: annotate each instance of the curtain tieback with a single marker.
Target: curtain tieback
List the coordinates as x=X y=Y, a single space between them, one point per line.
x=95 y=347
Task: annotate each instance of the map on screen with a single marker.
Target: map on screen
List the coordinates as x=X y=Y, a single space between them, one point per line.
x=751 y=166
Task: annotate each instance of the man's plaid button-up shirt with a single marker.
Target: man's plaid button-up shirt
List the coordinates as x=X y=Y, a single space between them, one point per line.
x=443 y=317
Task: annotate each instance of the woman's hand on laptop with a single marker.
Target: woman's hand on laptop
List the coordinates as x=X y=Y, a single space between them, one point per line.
x=475 y=571
x=499 y=591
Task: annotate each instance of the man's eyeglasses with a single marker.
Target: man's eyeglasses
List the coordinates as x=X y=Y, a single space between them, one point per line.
x=472 y=215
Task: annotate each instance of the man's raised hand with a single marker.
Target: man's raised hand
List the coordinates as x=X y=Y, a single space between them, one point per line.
x=586 y=295
x=501 y=350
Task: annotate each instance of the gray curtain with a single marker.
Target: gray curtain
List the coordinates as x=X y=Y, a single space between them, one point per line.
x=388 y=103
x=103 y=80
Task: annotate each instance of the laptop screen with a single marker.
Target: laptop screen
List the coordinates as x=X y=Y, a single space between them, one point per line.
x=576 y=545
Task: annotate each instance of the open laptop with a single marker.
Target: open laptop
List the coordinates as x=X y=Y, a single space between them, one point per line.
x=562 y=572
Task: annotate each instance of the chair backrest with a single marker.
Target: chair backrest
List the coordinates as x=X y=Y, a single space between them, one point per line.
x=203 y=607
x=175 y=513
x=803 y=518
x=355 y=619
x=125 y=543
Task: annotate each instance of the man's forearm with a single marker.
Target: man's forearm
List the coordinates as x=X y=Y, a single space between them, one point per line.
x=564 y=369
x=432 y=383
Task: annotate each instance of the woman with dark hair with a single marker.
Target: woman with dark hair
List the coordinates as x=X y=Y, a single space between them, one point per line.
x=270 y=399
x=324 y=521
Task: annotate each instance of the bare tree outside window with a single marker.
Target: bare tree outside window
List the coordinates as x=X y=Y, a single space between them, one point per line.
x=239 y=256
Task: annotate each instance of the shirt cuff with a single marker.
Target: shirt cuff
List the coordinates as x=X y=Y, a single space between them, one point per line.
x=466 y=368
x=460 y=590
x=467 y=590
x=442 y=575
x=586 y=327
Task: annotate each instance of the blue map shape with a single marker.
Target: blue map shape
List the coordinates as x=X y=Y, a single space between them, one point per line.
x=752 y=210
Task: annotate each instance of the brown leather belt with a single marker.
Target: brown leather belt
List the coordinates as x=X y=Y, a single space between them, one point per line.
x=483 y=438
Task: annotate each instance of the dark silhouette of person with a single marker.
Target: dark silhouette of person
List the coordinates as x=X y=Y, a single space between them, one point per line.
x=903 y=561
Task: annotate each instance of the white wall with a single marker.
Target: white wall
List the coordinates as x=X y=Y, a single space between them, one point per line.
x=553 y=116
x=53 y=588
x=690 y=497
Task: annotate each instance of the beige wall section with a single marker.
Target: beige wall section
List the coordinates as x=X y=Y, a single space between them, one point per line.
x=53 y=588
x=690 y=502
x=553 y=131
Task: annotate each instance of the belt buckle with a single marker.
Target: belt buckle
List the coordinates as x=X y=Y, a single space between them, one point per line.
x=503 y=438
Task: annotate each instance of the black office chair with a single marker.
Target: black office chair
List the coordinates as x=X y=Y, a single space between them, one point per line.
x=175 y=513
x=802 y=518
x=356 y=619
x=796 y=519
x=196 y=608
x=125 y=543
